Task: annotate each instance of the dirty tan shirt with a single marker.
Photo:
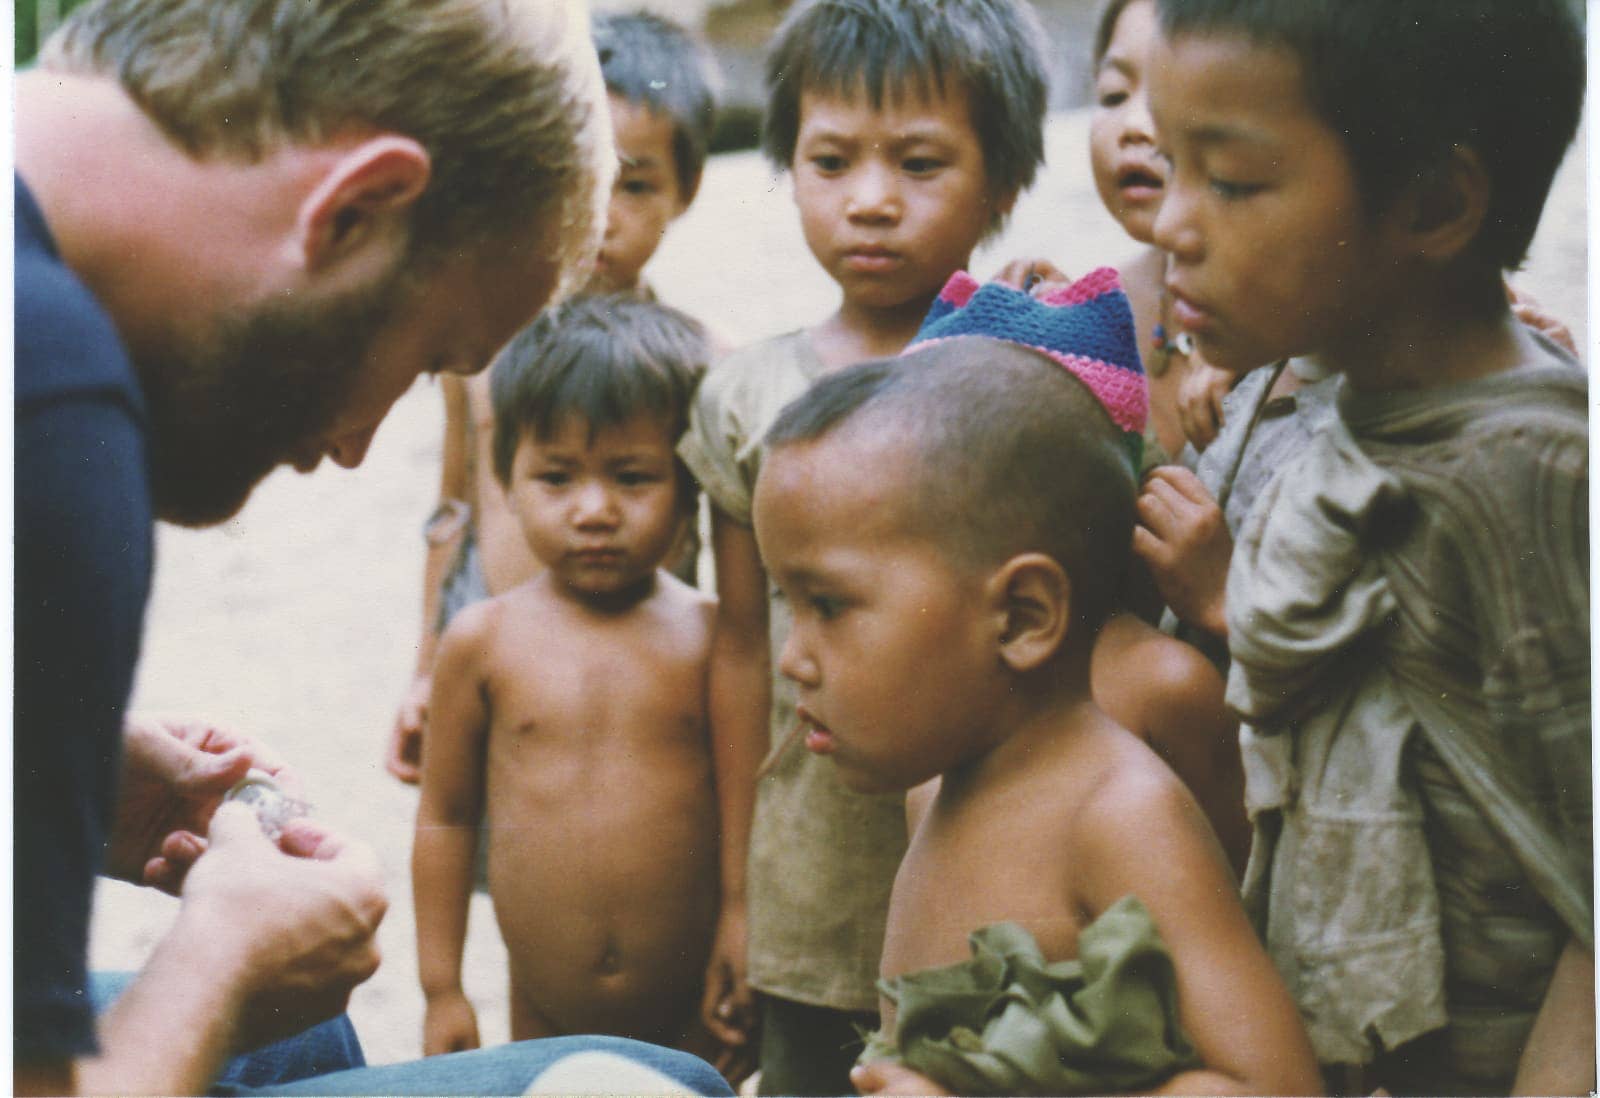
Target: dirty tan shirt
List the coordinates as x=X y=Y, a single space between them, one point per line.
x=1409 y=621
x=822 y=858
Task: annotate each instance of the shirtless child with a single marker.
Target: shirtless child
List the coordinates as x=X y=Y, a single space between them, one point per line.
x=659 y=83
x=948 y=527
x=569 y=714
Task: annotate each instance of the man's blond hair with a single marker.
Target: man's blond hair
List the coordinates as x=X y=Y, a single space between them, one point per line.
x=505 y=95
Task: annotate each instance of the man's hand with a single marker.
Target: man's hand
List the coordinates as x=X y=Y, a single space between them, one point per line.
x=404 y=758
x=1200 y=393
x=889 y=1077
x=1183 y=539
x=727 y=1008
x=174 y=774
x=449 y=1025
x=298 y=918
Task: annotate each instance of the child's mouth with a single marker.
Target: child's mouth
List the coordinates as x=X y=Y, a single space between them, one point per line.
x=818 y=738
x=1140 y=181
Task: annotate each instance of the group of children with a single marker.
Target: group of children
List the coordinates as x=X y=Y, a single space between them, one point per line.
x=925 y=771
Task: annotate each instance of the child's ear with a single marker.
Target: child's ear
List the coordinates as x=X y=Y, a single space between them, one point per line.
x=1032 y=601
x=363 y=199
x=1445 y=210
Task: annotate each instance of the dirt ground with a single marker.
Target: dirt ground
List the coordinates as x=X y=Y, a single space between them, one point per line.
x=297 y=621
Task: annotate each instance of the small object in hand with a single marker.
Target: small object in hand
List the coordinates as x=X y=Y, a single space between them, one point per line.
x=274 y=808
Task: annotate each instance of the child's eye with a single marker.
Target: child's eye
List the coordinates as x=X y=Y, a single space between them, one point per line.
x=922 y=165
x=633 y=478
x=828 y=163
x=1113 y=99
x=826 y=607
x=638 y=186
x=1230 y=191
x=553 y=477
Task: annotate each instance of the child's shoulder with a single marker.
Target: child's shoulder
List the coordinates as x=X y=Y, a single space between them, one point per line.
x=679 y=599
x=1136 y=661
x=1132 y=796
x=753 y=363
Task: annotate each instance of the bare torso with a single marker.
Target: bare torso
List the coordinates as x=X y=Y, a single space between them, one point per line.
x=953 y=879
x=600 y=811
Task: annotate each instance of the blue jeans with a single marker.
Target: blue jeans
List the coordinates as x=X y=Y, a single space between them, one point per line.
x=327 y=1059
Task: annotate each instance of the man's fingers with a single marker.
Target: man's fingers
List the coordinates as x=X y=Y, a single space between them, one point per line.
x=233 y=823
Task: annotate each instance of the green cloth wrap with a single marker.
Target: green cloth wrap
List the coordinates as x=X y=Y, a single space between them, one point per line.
x=1008 y=1022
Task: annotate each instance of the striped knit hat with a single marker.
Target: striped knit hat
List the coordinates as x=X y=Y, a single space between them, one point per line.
x=1086 y=327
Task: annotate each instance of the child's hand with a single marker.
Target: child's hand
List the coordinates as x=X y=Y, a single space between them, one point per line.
x=1183 y=539
x=1200 y=394
x=889 y=1077
x=450 y=1024
x=1528 y=310
x=404 y=759
x=1035 y=276
x=727 y=1007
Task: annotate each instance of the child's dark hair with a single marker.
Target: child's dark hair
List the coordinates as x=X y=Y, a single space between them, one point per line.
x=1013 y=454
x=1106 y=27
x=1403 y=82
x=990 y=48
x=654 y=62
x=605 y=358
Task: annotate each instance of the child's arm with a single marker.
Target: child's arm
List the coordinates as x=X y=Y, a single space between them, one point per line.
x=740 y=702
x=1191 y=728
x=1559 y=1055
x=1145 y=835
x=1183 y=538
x=446 y=844
x=404 y=758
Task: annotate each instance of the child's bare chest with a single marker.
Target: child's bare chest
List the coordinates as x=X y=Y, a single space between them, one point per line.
x=955 y=879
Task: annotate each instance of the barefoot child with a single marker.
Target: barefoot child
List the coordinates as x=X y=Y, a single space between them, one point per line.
x=948 y=528
x=569 y=714
x=909 y=129
x=659 y=82
x=1408 y=605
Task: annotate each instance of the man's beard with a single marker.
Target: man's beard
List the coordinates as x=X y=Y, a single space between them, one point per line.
x=227 y=410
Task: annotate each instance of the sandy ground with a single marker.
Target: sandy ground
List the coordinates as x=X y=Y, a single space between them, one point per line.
x=297 y=621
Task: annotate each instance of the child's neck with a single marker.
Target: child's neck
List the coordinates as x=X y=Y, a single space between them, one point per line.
x=610 y=603
x=1042 y=714
x=1442 y=334
x=860 y=332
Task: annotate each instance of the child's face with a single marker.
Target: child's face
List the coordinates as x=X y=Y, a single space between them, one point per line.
x=599 y=512
x=892 y=201
x=1122 y=143
x=645 y=199
x=891 y=648
x=1272 y=253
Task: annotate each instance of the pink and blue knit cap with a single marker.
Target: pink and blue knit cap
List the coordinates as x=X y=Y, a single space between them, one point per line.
x=1086 y=327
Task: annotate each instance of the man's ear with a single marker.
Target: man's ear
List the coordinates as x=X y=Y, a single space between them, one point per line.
x=1444 y=211
x=1032 y=600
x=363 y=198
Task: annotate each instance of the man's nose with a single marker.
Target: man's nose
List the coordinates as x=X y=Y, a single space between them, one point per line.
x=350 y=449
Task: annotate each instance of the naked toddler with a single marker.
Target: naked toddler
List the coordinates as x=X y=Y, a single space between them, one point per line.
x=569 y=714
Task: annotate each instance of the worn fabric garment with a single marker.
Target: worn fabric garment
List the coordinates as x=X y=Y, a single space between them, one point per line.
x=82 y=577
x=1260 y=437
x=822 y=858
x=809 y=1050
x=1009 y=1022
x=1409 y=619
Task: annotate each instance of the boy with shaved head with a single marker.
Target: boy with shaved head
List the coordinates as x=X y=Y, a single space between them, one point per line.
x=948 y=528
